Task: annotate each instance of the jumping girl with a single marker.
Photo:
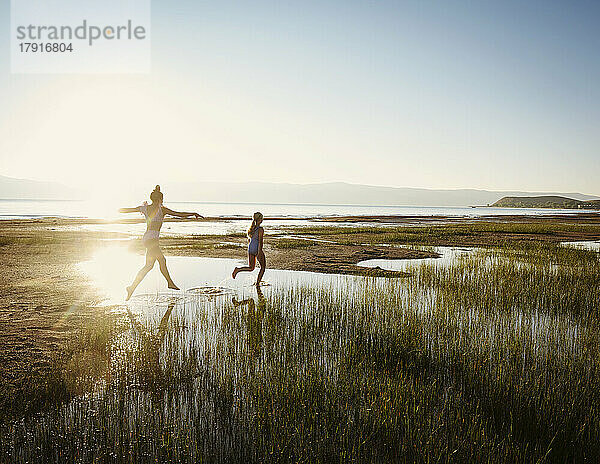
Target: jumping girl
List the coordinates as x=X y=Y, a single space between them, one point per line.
x=155 y=214
x=255 y=249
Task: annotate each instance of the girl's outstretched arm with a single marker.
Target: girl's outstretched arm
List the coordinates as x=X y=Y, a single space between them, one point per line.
x=130 y=210
x=178 y=214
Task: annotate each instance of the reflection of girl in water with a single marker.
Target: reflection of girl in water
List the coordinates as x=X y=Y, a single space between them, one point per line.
x=255 y=249
x=254 y=321
x=151 y=344
x=154 y=214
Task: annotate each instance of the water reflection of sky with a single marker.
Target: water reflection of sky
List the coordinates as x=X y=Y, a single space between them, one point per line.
x=584 y=245
x=114 y=267
x=448 y=256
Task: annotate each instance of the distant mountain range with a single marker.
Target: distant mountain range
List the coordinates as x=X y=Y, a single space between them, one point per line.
x=335 y=193
x=23 y=189
x=338 y=193
x=546 y=201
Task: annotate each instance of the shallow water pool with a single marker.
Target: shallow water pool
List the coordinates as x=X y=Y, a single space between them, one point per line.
x=448 y=256
x=114 y=267
x=584 y=245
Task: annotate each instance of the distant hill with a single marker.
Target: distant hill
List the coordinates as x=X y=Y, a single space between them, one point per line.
x=23 y=189
x=339 y=193
x=546 y=201
x=332 y=193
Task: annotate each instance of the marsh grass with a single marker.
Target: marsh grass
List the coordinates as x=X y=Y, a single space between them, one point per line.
x=450 y=233
x=492 y=359
x=290 y=243
x=229 y=246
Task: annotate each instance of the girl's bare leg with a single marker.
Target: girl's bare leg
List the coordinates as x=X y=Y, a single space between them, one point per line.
x=150 y=258
x=249 y=268
x=262 y=260
x=162 y=262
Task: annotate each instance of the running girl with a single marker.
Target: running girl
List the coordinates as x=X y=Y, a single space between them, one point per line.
x=155 y=214
x=255 y=249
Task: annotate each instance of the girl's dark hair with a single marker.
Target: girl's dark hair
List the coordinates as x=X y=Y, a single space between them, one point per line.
x=156 y=196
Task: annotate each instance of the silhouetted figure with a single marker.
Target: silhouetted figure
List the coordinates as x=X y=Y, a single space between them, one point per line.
x=154 y=214
x=255 y=249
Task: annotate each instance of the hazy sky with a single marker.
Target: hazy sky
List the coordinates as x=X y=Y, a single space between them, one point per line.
x=495 y=95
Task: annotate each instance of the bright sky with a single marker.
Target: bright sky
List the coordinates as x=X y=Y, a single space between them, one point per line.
x=496 y=95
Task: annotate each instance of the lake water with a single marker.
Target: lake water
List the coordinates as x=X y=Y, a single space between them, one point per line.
x=12 y=209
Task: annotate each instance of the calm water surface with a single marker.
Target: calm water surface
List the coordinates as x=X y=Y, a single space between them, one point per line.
x=84 y=209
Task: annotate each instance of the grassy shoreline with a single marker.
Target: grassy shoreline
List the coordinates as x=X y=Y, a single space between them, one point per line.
x=492 y=359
